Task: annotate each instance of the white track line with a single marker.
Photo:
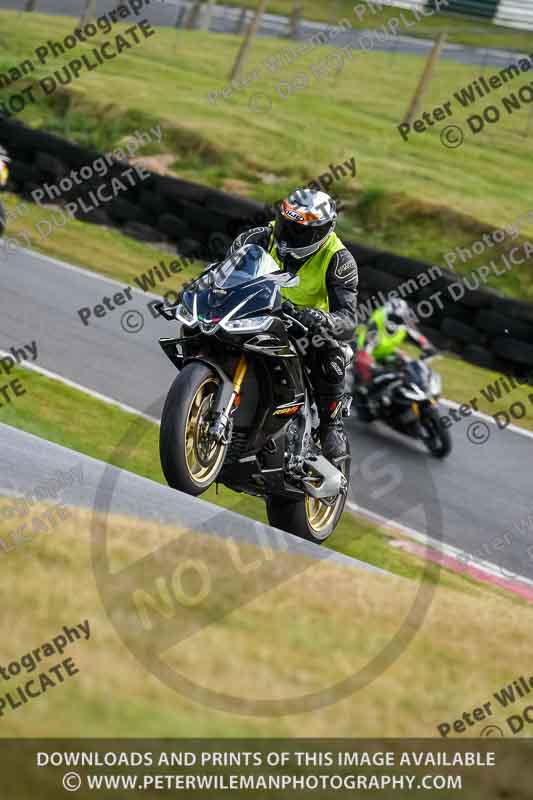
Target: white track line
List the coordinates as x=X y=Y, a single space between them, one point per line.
x=73 y=385
x=446 y=549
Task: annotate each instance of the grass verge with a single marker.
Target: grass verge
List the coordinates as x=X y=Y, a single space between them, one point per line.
x=464 y=382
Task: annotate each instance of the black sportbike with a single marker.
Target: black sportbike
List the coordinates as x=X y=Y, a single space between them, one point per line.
x=241 y=410
x=405 y=398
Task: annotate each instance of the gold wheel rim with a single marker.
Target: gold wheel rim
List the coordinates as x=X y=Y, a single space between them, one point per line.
x=202 y=464
x=319 y=514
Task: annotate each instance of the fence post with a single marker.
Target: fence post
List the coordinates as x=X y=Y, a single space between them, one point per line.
x=294 y=21
x=425 y=78
x=247 y=41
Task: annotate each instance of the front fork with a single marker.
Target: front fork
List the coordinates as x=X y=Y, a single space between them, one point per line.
x=220 y=430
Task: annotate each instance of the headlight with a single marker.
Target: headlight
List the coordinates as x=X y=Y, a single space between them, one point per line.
x=248 y=325
x=184 y=315
x=4 y=174
x=435 y=384
x=414 y=393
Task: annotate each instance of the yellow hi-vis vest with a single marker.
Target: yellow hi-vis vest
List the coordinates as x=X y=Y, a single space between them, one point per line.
x=386 y=343
x=312 y=291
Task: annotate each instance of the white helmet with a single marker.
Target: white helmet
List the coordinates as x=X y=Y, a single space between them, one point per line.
x=398 y=312
x=303 y=223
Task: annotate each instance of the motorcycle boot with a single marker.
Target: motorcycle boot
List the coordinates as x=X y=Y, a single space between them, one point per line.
x=332 y=433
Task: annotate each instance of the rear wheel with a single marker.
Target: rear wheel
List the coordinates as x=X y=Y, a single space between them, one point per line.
x=190 y=459
x=308 y=518
x=438 y=440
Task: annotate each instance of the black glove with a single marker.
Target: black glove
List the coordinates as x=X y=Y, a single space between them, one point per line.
x=289 y=308
x=312 y=318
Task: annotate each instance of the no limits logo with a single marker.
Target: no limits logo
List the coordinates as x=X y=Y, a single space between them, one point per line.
x=218 y=563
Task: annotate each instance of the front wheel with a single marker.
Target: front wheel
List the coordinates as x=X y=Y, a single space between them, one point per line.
x=308 y=518
x=190 y=459
x=437 y=439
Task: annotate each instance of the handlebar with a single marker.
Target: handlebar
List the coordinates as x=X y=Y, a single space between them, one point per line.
x=295 y=321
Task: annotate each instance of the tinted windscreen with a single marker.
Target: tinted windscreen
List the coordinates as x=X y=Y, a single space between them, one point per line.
x=248 y=263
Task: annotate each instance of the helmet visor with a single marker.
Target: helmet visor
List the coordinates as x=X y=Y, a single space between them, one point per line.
x=296 y=235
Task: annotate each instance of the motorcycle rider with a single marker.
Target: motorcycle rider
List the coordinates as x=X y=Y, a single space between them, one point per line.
x=301 y=239
x=378 y=351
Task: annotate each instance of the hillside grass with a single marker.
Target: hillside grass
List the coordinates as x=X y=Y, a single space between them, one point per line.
x=416 y=198
x=292 y=640
x=416 y=229
x=464 y=382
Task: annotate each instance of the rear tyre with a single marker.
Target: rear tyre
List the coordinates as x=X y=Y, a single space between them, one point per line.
x=308 y=518
x=190 y=460
x=438 y=441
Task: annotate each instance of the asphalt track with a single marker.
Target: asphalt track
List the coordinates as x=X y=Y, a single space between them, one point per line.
x=469 y=501
x=226 y=20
